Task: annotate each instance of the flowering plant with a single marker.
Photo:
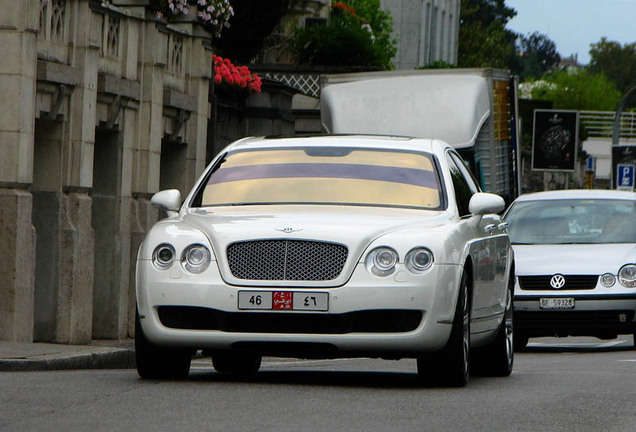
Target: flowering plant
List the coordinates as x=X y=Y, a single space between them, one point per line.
x=343 y=8
x=214 y=13
x=229 y=75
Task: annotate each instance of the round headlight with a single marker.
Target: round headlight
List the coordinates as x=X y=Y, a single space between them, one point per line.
x=419 y=260
x=608 y=280
x=163 y=256
x=195 y=258
x=627 y=275
x=381 y=261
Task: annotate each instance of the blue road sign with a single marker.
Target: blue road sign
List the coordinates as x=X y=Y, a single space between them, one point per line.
x=625 y=177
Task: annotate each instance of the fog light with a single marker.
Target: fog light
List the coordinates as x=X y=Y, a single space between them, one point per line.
x=608 y=280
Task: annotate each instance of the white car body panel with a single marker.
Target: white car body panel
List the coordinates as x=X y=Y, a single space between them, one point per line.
x=452 y=240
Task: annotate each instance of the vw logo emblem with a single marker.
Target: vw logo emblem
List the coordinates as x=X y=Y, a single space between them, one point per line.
x=288 y=230
x=557 y=281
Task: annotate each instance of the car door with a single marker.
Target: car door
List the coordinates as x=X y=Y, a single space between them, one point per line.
x=487 y=250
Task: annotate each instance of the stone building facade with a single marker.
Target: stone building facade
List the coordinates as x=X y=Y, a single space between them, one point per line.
x=104 y=104
x=427 y=31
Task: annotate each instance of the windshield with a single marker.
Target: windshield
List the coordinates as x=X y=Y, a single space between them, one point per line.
x=324 y=175
x=572 y=221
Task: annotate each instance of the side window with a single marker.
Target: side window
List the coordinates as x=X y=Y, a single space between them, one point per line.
x=463 y=183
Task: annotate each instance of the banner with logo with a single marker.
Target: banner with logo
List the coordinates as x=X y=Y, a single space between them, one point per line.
x=554 y=140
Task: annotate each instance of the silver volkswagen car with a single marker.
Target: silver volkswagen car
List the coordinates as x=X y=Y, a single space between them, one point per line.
x=575 y=252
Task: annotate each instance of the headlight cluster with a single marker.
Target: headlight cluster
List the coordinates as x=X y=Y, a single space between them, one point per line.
x=194 y=258
x=626 y=277
x=381 y=261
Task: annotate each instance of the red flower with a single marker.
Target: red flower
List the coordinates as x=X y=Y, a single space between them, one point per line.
x=226 y=73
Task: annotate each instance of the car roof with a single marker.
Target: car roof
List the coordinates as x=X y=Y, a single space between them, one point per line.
x=361 y=141
x=577 y=194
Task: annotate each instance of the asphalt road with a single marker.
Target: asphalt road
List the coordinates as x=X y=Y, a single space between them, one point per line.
x=575 y=384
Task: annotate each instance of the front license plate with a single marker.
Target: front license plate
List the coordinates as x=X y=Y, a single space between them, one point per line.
x=556 y=303
x=283 y=300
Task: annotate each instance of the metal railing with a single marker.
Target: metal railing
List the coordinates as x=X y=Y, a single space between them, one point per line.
x=599 y=124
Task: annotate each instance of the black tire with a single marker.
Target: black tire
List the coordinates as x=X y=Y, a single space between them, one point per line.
x=159 y=363
x=497 y=358
x=236 y=364
x=451 y=365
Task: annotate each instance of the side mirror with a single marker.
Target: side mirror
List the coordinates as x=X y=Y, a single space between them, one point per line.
x=483 y=203
x=168 y=200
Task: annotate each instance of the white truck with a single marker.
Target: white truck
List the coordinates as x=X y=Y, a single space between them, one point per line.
x=474 y=110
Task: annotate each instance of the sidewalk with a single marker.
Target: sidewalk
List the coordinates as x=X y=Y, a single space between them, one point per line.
x=102 y=354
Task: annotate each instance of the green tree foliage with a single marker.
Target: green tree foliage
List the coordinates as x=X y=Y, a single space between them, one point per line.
x=358 y=34
x=616 y=62
x=484 y=40
x=579 y=90
x=537 y=56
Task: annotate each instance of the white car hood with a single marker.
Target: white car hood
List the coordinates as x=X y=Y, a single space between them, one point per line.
x=577 y=259
x=354 y=227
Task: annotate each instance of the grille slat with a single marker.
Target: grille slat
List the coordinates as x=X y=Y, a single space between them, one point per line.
x=286 y=260
x=572 y=282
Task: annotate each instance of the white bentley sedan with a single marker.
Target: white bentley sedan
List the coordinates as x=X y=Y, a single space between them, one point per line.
x=576 y=263
x=328 y=247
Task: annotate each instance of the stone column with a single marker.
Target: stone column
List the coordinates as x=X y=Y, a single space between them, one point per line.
x=199 y=85
x=18 y=31
x=75 y=294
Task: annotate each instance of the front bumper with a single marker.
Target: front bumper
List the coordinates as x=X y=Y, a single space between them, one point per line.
x=400 y=315
x=600 y=315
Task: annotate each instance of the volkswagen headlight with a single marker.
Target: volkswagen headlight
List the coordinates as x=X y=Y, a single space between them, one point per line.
x=627 y=275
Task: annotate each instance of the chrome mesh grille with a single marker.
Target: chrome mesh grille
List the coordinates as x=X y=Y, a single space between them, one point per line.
x=286 y=260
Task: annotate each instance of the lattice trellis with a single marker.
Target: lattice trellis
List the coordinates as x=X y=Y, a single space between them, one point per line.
x=308 y=84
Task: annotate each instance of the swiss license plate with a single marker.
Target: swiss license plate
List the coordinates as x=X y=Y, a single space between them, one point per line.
x=556 y=303
x=283 y=300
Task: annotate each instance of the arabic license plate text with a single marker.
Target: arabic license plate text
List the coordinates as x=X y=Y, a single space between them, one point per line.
x=556 y=303
x=283 y=300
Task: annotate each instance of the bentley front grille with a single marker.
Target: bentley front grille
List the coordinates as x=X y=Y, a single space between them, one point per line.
x=286 y=260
